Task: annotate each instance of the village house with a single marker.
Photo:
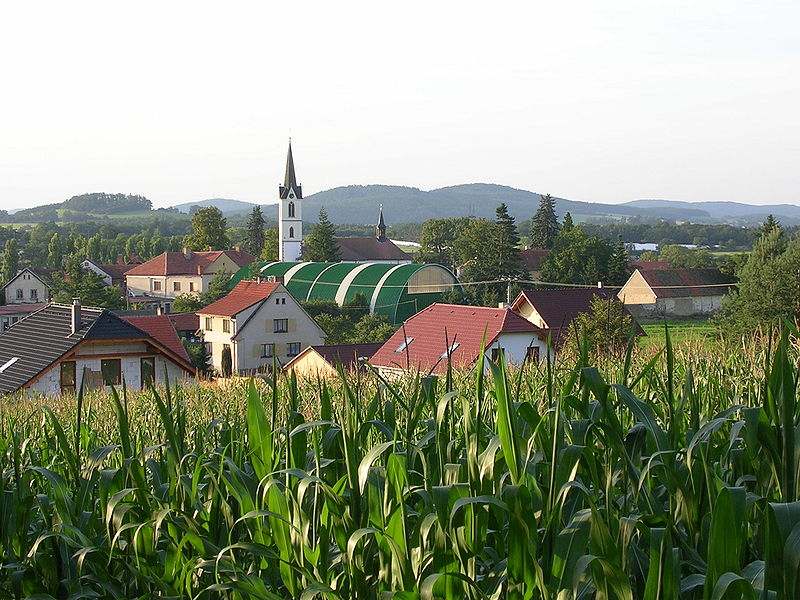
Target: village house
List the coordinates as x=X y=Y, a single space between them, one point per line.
x=11 y=313
x=168 y=275
x=657 y=293
x=111 y=273
x=554 y=310
x=29 y=286
x=257 y=322
x=457 y=333
x=323 y=362
x=378 y=248
x=59 y=347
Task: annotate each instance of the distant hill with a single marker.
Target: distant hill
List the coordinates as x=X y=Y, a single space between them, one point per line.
x=358 y=204
x=226 y=205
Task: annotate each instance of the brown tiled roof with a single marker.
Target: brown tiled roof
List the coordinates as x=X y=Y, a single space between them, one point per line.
x=431 y=329
x=19 y=309
x=558 y=307
x=369 y=248
x=185 y=321
x=193 y=263
x=533 y=258
x=116 y=270
x=683 y=283
x=243 y=296
x=346 y=355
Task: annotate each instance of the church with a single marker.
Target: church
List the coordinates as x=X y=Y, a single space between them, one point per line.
x=378 y=248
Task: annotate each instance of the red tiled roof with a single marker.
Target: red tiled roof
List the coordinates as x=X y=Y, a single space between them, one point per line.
x=185 y=321
x=244 y=295
x=116 y=270
x=651 y=265
x=560 y=306
x=193 y=263
x=160 y=328
x=20 y=309
x=439 y=324
x=533 y=258
x=369 y=248
x=683 y=283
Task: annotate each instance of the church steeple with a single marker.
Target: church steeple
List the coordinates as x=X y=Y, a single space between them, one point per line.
x=289 y=179
x=380 y=228
x=290 y=214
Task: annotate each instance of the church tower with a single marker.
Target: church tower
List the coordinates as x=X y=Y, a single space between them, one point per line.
x=290 y=214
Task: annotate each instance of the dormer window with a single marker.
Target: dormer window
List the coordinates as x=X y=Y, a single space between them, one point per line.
x=406 y=343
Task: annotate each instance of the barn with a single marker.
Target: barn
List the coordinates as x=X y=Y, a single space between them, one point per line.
x=396 y=291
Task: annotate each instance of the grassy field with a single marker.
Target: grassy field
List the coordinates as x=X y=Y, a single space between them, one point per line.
x=681 y=331
x=662 y=475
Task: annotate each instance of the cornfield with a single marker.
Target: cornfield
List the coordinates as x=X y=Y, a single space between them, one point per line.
x=671 y=475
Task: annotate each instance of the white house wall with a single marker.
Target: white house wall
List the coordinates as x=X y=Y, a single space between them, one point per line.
x=49 y=383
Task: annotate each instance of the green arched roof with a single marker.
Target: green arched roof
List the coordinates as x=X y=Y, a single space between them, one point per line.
x=383 y=285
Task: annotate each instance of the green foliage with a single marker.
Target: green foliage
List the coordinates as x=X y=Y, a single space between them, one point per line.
x=439 y=241
x=662 y=476
x=544 y=224
x=187 y=303
x=255 y=232
x=349 y=324
x=579 y=258
x=686 y=258
x=270 y=250
x=567 y=224
x=209 y=230
x=199 y=356
x=618 y=269
x=10 y=263
x=320 y=244
x=227 y=362
x=769 y=287
x=606 y=329
x=87 y=285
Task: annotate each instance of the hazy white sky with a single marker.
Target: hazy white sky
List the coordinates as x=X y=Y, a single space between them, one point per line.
x=611 y=101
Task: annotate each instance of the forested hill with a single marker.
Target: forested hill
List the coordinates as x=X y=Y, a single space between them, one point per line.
x=83 y=207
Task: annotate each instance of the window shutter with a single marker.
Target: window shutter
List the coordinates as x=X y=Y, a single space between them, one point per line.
x=256 y=350
x=292 y=324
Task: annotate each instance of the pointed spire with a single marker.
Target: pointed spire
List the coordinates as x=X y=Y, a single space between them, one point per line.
x=380 y=229
x=290 y=179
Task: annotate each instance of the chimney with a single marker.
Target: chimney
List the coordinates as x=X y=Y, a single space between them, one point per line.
x=187 y=252
x=160 y=310
x=238 y=248
x=599 y=284
x=75 y=316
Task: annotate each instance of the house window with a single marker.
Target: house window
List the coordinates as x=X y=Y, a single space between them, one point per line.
x=34 y=294
x=532 y=353
x=209 y=348
x=291 y=209
x=406 y=343
x=148 y=369
x=226 y=325
x=267 y=350
x=156 y=286
x=291 y=232
x=496 y=354
x=20 y=295
x=111 y=368
x=209 y=323
x=450 y=350
x=176 y=286
x=283 y=300
x=68 y=377
x=292 y=349
x=280 y=325
x=191 y=286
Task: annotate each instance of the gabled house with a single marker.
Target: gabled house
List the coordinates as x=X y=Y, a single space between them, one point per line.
x=372 y=249
x=111 y=273
x=257 y=322
x=456 y=332
x=29 y=286
x=675 y=292
x=324 y=361
x=553 y=310
x=171 y=274
x=57 y=348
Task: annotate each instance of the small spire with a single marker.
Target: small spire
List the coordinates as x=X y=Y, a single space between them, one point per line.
x=380 y=228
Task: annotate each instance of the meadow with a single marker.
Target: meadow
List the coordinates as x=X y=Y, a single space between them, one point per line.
x=656 y=474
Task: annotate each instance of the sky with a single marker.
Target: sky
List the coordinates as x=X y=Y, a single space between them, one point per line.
x=607 y=102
